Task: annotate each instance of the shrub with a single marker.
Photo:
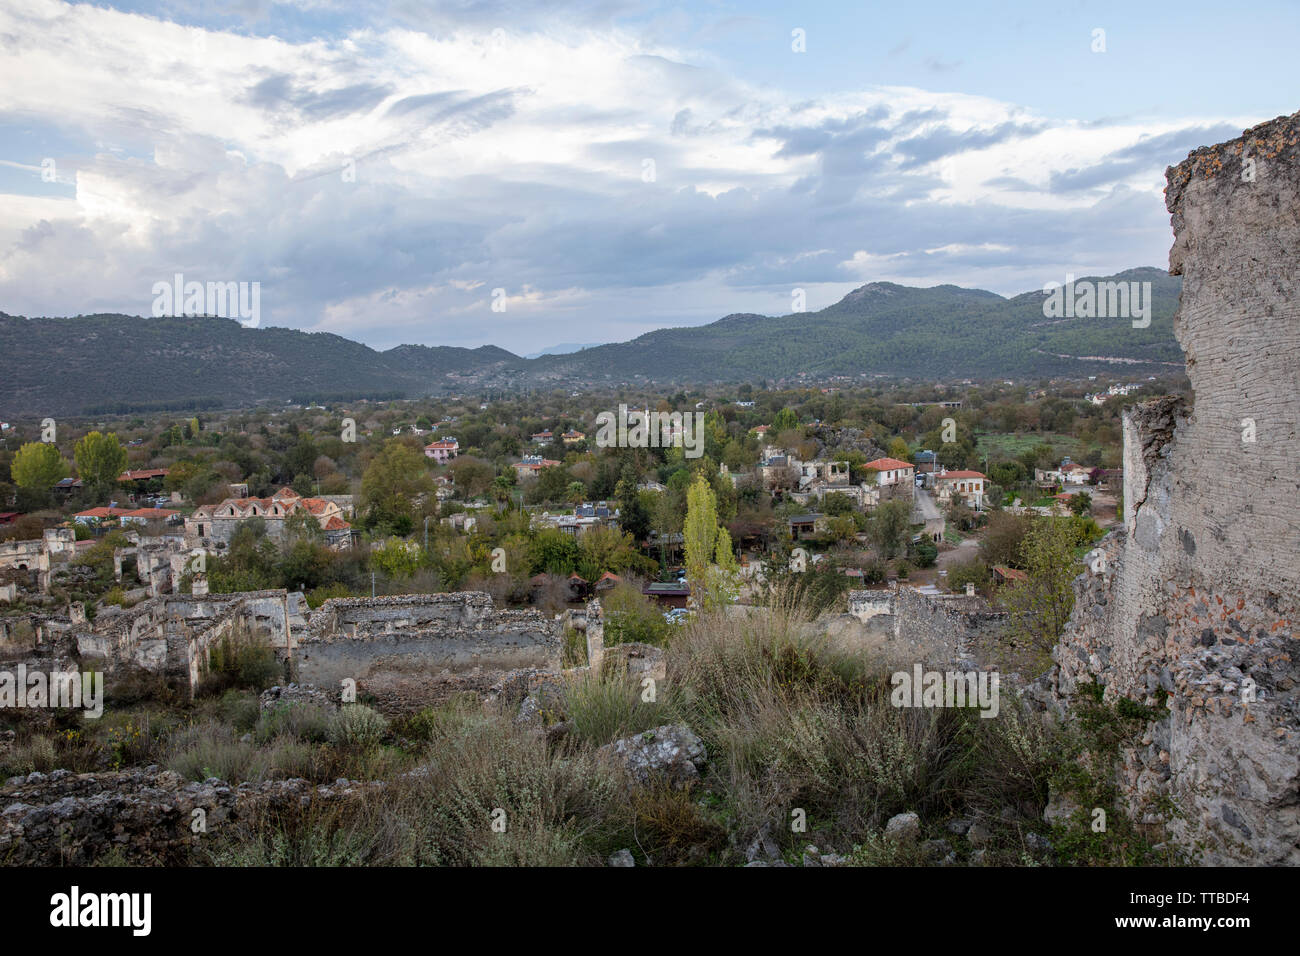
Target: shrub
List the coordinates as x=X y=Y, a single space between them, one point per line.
x=296 y=721
x=604 y=708
x=356 y=725
x=209 y=749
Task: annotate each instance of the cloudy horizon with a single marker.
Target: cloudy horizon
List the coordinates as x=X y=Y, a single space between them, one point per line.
x=382 y=169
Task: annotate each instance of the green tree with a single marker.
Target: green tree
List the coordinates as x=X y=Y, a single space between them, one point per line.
x=710 y=564
x=101 y=459
x=36 y=467
x=785 y=420
x=392 y=482
x=888 y=527
x=1040 y=606
x=898 y=449
x=700 y=529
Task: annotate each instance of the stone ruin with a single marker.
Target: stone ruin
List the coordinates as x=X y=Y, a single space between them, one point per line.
x=407 y=652
x=906 y=625
x=1194 y=607
x=169 y=637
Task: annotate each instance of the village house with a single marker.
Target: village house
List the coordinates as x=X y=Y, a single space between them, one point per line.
x=1003 y=575
x=543 y=437
x=896 y=479
x=443 y=450
x=807 y=525
x=215 y=524
x=926 y=462
x=585 y=516
x=142 y=476
x=1075 y=474
x=573 y=437
x=968 y=486
x=530 y=466
x=667 y=593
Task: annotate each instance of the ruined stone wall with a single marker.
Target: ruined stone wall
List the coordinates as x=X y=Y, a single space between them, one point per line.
x=941 y=630
x=1196 y=602
x=172 y=635
x=423 y=638
x=907 y=626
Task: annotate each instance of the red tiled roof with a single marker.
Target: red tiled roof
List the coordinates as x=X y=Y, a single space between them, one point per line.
x=149 y=513
x=143 y=474
x=887 y=464
x=1010 y=573
x=443 y=443
x=958 y=474
x=335 y=524
x=102 y=512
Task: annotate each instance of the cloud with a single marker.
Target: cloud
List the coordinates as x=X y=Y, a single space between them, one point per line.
x=382 y=174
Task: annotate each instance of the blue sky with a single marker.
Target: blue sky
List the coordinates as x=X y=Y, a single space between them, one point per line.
x=382 y=168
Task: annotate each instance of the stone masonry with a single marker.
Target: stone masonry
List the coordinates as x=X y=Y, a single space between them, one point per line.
x=1194 y=606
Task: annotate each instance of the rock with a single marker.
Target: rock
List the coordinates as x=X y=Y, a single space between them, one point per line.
x=958 y=825
x=1060 y=807
x=977 y=858
x=671 y=753
x=903 y=829
x=812 y=856
x=934 y=850
x=1036 y=841
x=979 y=834
x=530 y=712
x=295 y=694
x=622 y=858
x=762 y=846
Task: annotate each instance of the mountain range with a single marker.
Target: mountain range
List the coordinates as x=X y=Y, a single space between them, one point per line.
x=119 y=363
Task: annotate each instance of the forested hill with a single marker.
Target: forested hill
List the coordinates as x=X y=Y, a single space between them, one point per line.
x=119 y=363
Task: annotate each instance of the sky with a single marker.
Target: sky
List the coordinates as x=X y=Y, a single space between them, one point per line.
x=527 y=174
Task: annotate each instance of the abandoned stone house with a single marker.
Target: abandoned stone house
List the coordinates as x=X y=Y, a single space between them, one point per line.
x=213 y=525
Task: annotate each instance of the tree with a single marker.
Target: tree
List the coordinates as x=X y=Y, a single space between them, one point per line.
x=710 y=565
x=391 y=483
x=1003 y=541
x=1040 y=606
x=898 y=449
x=700 y=528
x=37 y=467
x=101 y=459
x=784 y=421
x=889 y=524
x=1081 y=504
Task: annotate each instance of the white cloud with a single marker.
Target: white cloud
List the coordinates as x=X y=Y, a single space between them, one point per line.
x=514 y=159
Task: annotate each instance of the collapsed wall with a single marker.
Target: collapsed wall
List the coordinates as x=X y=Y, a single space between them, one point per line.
x=169 y=637
x=907 y=626
x=410 y=651
x=1193 y=607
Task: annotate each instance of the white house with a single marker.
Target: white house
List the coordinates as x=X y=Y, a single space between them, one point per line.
x=969 y=486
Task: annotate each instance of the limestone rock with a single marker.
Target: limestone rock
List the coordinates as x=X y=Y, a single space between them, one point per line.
x=671 y=753
x=903 y=829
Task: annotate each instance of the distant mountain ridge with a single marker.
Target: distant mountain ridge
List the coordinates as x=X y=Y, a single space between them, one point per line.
x=120 y=363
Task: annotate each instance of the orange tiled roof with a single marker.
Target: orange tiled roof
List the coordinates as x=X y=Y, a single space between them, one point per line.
x=887 y=464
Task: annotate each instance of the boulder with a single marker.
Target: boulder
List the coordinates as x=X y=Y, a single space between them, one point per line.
x=671 y=754
x=903 y=829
